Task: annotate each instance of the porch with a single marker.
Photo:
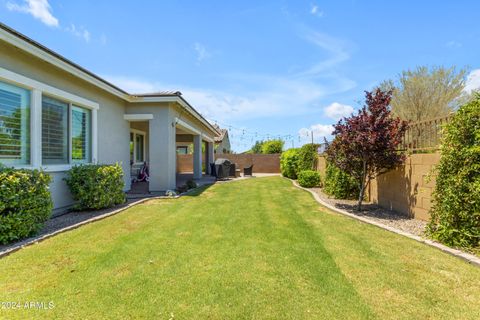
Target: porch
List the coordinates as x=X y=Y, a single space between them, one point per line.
x=156 y=144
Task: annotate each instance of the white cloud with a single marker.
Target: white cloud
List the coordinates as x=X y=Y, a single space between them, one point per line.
x=334 y=47
x=201 y=51
x=473 y=81
x=275 y=97
x=316 y=11
x=103 y=39
x=453 y=44
x=80 y=32
x=262 y=95
x=39 y=9
x=320 y=131
x=336 y=110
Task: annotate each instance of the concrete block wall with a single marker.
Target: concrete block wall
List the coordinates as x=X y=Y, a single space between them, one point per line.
x=262 y=163
x=407 y=189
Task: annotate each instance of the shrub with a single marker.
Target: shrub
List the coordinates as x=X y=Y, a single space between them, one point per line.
x=455 y=215
x=340 y=184
x=309 y=178
x=25 y=203
x=289 y=163
x=96 y=186
x=191 y=184
x=272 y=146
x=307 y=157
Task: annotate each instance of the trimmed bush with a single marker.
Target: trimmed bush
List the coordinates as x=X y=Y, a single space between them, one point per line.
x=307 y=157
x=289 y=163
x=455 y=215
x=340 y=184
x=25 y=203
x=272 y=146
x=96 y=186
x=309 y=178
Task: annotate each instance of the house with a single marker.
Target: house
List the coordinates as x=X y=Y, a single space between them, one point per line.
x=222 y=141
x=55 y=114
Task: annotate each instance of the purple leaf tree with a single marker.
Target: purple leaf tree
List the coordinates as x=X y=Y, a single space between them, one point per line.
x=366 y=144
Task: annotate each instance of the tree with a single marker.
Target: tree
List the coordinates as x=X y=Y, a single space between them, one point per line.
x=257 y=147
x=426 y=93
x=365 y=144
x=272 y=146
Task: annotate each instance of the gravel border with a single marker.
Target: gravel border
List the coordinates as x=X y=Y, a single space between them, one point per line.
x=377 y=213
x=470 y=258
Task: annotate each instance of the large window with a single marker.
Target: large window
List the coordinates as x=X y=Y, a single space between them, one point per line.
x=81 y=135
x=14 y=125
x=65 y=127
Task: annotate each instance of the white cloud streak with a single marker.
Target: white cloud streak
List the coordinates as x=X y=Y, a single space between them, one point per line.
x=320 y=131
x=336 y=110
x=315 y=10
x=79 y=32
x=473 y=81
x=39 y=9
x=262 y=95
x=201 y=51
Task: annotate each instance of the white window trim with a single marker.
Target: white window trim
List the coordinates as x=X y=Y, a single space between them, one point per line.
x=37 y=89
x=144 y=134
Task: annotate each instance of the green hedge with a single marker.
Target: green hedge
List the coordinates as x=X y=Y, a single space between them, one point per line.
x=289 y=163
x=25 y=203
x=96 y=186
x=307 y=157
x=309 y=178
x=455 y=215
x=340 y=184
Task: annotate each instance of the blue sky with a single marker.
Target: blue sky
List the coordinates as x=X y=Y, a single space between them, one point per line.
x=260 y=68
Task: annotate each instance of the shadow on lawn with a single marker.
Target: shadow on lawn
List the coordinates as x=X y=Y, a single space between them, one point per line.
x=197 y=191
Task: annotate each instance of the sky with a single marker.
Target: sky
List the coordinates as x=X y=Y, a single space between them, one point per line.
x=262 y=69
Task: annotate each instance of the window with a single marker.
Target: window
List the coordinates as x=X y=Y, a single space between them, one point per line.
x=54 y=131
x=140 y=139
x=14 y=125
x=41 y=125
x=182 y=150
x=65 y=127
x=137 y=146
x=81 y=135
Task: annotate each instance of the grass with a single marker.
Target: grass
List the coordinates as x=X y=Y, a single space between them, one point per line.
x=251 y=249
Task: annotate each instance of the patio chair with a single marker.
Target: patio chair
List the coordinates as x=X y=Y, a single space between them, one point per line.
x=233 y=166
x=248 y=171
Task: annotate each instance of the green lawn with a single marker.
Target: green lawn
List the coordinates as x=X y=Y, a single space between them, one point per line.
x=250 y=249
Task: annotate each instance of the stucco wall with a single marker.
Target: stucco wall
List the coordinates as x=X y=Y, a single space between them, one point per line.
x=113 y=130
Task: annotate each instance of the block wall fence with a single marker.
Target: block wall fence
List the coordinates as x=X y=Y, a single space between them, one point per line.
x=262 y=163
x=406 y=189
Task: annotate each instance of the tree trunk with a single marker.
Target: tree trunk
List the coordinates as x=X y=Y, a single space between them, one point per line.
x=362 y=186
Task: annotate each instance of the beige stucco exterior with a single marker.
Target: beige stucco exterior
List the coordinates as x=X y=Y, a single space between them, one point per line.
x=112 y=130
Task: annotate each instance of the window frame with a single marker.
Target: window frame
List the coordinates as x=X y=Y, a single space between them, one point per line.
x=37 y=90
x=144 y=134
